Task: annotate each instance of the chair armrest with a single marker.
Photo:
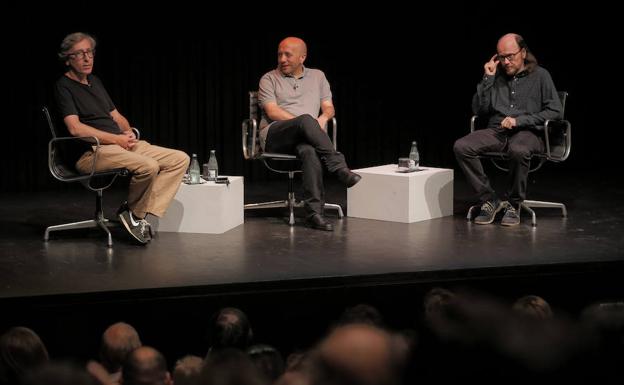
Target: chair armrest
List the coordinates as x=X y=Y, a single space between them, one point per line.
x=473 y=122
x=52 y=153
x=250 y=132
x=566 y=128
x=334 y=131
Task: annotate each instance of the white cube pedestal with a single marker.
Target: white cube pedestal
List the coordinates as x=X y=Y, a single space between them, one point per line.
x=205 y=208
x=387 y=195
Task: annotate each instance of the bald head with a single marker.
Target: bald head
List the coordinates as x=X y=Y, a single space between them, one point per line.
x=291 y=53
x=509 y=42
x=117 y=342
x=145 y=366
x=296 y=43
x=361 y=352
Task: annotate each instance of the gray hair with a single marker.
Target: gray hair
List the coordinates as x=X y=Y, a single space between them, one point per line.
x=72 y=39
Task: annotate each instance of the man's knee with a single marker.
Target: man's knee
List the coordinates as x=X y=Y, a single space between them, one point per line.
x=305 y=152
x=460 y=148
x=150 y=167
x=307 y=121
x=181 y=158
x=518 y=154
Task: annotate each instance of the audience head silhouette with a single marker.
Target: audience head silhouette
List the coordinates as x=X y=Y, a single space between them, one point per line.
x=145 y=366
x=118 y=340
x=21 y=350
x=230 y=329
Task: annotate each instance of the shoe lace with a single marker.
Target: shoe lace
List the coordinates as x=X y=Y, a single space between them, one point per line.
x=510 y=210
x=144 y=227
x=487 y=207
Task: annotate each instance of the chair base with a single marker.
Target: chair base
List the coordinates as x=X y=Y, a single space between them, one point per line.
x=291 y=202
x=99 y=221
x=102 y=223
x=291 y=206
x=527 y=205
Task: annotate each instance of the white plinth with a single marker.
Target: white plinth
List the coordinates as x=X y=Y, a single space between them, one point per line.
x=386 y=195
x=205 y=208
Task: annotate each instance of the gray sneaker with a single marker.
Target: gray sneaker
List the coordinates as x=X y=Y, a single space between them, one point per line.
x=488 y=212
x=139 y=229
x=511 y=217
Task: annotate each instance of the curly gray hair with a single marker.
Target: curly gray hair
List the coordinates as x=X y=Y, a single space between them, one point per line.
x=70 y=40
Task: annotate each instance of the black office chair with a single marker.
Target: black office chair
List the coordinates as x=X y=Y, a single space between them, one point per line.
x=557 y=136
x=63 y=152
x=280 y=163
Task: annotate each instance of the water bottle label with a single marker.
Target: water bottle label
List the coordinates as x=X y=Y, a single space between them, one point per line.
x=212 y=173
x=412 y=164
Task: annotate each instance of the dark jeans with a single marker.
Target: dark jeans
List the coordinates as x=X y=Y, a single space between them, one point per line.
x=302 y=136
x=519 y=145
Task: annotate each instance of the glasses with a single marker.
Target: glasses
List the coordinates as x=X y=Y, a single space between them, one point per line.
x=81 y=54
x=509 y=57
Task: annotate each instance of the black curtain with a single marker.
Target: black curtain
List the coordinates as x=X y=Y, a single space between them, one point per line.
x=182 y=76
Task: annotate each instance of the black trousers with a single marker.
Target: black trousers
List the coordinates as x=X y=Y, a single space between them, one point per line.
x=519 y=144
x=302 y=136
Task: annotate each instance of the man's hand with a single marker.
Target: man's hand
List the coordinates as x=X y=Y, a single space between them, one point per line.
x=126 y=140
x=491 y=66
x=508 y=123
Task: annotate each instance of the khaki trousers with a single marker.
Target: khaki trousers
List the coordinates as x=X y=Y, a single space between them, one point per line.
x=156 y=173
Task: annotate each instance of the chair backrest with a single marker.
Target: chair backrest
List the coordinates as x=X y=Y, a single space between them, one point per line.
x=559 y=141
x=254 y=107
x=48 y=117
x=251 y=141
x=62 y=154
x=563 y=97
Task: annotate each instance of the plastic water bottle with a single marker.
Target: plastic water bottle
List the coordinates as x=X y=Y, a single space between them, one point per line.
x=414 y=157
x=194 y=172
x=213 y=166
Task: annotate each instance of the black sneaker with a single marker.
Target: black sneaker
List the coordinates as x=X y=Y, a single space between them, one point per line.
x=511 y=217
x=488 y=212
x=139 y=229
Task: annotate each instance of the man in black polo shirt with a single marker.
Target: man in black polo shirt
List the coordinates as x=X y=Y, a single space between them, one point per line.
x=516 y=96
x=88 y=110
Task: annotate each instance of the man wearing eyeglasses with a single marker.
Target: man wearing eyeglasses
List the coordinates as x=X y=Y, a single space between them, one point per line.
x=88 y=111
x=515 y=96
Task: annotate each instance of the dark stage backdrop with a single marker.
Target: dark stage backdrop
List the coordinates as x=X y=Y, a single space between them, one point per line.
x=182 y=75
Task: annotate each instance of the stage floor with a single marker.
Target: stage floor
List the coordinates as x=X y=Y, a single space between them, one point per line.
x=266 y=254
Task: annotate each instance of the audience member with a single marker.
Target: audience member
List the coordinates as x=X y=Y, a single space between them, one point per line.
x=268 y=360
x=230 y=367
x=187 y=370
x=118 y=340
x=230 y=328
x=361 y=314
x=21 y=350
x=533 y=306
x=58 y=374
x=145 y=366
